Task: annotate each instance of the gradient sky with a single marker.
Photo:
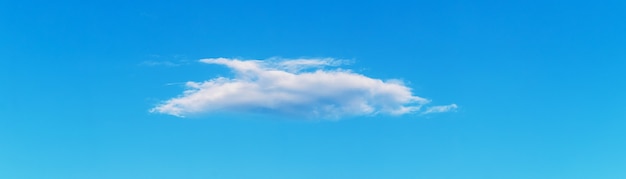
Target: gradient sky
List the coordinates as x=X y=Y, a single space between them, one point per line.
x=540 y=87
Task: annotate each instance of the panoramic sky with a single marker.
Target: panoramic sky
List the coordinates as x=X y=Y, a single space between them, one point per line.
x=312 y=89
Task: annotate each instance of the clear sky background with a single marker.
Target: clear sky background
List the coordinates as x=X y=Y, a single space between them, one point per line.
x=540 y=87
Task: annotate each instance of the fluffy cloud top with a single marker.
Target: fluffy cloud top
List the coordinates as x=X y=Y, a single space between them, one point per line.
x=298 y=87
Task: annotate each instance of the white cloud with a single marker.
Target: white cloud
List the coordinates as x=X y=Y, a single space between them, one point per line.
x=298 y=87
x=440 y=109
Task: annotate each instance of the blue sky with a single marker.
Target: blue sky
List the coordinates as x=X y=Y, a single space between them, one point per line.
x=539 y=86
